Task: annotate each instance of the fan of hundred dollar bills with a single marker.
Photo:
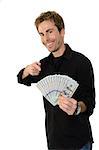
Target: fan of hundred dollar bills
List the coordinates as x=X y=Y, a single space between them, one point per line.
x=53 y=85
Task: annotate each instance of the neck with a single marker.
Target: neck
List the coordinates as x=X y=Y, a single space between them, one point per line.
x=59 y=52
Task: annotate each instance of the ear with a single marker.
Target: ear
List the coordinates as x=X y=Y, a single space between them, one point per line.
x=62 y=32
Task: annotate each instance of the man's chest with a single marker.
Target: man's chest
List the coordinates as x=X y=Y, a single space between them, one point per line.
x=63 y=68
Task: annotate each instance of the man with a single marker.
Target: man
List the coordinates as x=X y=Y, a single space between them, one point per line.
x=67 y=124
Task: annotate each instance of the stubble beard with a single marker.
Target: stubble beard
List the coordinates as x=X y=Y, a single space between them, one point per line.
x=58 y=48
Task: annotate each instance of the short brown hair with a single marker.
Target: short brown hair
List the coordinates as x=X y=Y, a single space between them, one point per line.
x=53 y=16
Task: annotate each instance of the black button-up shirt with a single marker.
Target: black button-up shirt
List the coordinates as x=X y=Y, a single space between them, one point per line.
x=62 y=130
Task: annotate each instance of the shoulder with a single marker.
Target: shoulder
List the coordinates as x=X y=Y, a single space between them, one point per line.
x=76 y=56
x=80 y=58
x=45 y=59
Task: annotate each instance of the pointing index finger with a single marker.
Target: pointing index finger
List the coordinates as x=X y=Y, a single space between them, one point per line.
x=37 y=65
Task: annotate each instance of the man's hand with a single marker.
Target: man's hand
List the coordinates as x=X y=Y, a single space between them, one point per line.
x=68 y=105
x=32 y=69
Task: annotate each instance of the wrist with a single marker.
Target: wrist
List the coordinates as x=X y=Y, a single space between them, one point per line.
x=81 y=107
x=78 y=109
x=25 y=74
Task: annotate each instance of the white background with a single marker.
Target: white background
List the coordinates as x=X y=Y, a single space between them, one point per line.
x=22 y=114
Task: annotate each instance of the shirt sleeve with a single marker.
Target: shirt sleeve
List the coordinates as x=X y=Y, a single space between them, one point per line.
x=31 y=79
x=86 y=89
x=27 y=80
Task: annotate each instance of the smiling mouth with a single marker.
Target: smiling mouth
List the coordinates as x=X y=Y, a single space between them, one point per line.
x=49 y=44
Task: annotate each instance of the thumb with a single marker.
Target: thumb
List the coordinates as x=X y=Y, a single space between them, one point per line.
x=38 y=63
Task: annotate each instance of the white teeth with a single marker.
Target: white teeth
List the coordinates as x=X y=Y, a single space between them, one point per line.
x=49 y=44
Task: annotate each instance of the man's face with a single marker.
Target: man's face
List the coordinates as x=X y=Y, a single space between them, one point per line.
x=50 y=36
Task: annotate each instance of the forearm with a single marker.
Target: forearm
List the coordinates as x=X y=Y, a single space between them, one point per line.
x=25 y=74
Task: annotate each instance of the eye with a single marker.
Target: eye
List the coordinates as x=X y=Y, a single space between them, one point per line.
x=50 y=31
x=41 y=34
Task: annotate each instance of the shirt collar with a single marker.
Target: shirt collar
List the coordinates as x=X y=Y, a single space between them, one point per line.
x=67 y=53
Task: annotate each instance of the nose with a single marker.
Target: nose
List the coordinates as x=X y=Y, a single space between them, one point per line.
x=45 y=38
